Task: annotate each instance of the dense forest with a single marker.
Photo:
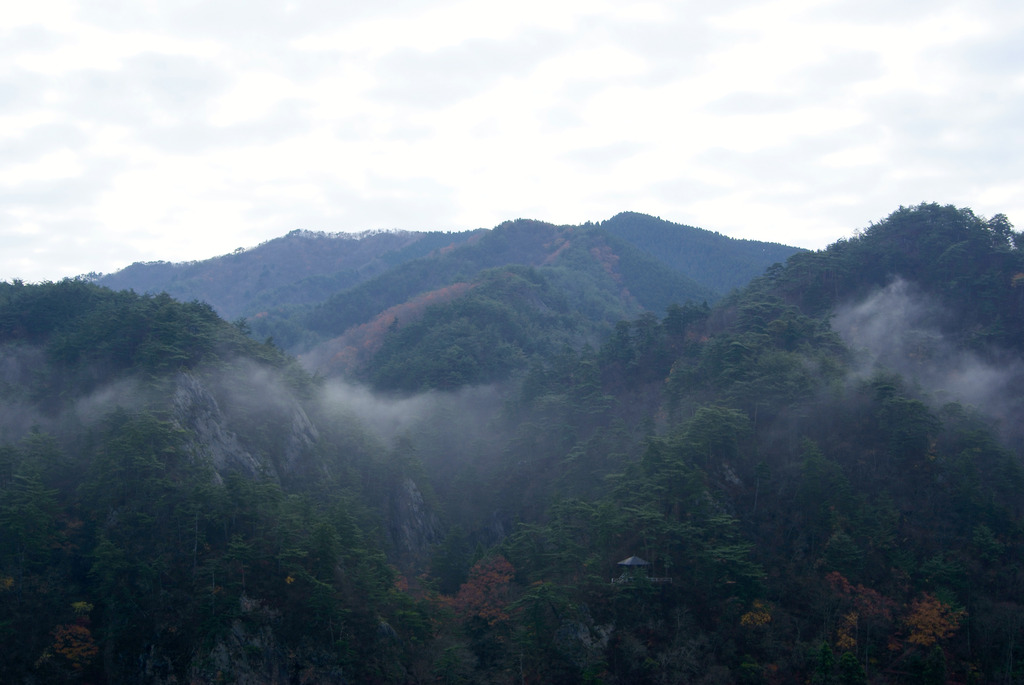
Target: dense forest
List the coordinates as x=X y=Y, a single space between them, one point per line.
x=814 y=477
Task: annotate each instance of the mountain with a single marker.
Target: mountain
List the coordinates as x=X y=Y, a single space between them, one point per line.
x=713 y=260
x=302 y=267
x=587 y=278
x=817 y=477
x=310 y=288
x=176 y=499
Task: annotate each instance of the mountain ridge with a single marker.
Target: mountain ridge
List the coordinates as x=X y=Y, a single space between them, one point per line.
x=306 y=287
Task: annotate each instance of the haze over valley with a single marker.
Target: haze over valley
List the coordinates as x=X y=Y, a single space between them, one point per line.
x=407 y=457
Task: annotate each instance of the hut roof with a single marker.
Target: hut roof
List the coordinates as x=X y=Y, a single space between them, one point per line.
x=634 y=561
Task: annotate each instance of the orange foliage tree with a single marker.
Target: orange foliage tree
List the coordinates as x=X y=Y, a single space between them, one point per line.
x=931 y=620
x=74 y=642
x=486 y=595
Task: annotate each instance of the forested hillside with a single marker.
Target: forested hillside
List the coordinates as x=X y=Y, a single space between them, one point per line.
x=816 y=478
x=176 y=504
x=306 y=289
x=303 y=267
x=713 y=260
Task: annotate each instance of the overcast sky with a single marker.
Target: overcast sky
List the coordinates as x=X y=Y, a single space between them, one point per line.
x=141 y=130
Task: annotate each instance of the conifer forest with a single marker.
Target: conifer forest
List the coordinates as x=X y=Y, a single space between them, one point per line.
x=621 y=452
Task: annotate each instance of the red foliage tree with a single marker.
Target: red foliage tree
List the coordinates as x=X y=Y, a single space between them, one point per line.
x=486 y=595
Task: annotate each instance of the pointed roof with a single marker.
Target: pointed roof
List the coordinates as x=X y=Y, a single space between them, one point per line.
x=634 y=561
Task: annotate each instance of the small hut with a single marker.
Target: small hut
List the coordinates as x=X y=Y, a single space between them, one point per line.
x=631 y=569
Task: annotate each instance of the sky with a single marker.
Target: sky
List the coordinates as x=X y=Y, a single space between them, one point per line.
x=143 y=130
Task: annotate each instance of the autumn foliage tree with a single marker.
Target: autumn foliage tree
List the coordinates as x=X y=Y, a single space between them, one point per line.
x=74 y=642
x=487 y=593
x=931 y=620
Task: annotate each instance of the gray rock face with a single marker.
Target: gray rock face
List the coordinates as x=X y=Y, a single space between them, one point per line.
x=286 y=453
x=286 y=448
x=302 y=436
x=196 y=410
x=413 y=527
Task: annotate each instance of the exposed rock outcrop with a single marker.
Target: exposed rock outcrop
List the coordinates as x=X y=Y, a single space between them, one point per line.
x=196 y=410
x=413 y=527
x=302 y=436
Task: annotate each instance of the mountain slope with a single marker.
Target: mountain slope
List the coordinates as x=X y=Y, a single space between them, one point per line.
x=180 y=502
x=871 y=504
x=302 y=267
x=589 y=254
x=766 y=461
x=715 y=261
x=968 y=264
x=307 y=287
x=571 y=285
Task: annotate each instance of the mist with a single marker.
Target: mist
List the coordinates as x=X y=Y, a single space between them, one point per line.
x=900 y=329
x=231 y=404
x=469 y=410
x=20 y=413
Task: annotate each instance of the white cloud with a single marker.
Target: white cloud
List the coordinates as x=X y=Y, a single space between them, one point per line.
x=181 y=130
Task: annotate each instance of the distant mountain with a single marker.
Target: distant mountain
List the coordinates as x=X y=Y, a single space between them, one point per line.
x=711 y=259
x=302 y=267
x=630 y=276
x=306 y=289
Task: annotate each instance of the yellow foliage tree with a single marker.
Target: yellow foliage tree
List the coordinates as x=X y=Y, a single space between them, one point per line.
x=931 y=620
x=760 y=614
x=846 y=633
